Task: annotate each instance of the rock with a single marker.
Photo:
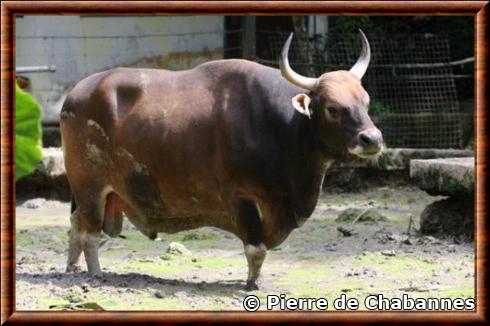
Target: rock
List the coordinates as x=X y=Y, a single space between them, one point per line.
x=178 y=248
x=34 y=203
x=350 y=215
x=389 y=253
x=181 y=294
x=53 y=163
x=345 y=232
x=389 y=169
x=73 y=295
x=453 y=177
x=330 y=247
x=369 y=272
x=48 y=179
x=447 y=176
x=448 y=217
x=392 y=236
x=158 y=294
x=399 y=158
x=85 y=287
x=51 y=136
x=166 y=257
x=408 y=241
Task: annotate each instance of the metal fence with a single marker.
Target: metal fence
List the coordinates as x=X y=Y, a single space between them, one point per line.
x=410 y=81
x=76 y=56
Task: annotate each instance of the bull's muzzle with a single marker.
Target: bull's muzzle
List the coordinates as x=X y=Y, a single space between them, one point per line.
x=369 y=143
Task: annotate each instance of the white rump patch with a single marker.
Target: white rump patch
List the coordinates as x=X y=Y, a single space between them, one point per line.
x=92 y=123
x=94 y=154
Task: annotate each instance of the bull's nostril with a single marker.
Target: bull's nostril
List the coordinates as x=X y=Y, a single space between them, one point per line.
x=365 y=139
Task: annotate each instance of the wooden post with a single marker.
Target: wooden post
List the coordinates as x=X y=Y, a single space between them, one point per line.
x=249 y=38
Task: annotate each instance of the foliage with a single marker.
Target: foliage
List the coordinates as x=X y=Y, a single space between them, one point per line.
x=378 y=108
x=459 y=29
x=350 y=24
x=27 y=133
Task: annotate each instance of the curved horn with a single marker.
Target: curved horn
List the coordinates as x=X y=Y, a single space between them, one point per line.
x=363 y=62
x=289 y=74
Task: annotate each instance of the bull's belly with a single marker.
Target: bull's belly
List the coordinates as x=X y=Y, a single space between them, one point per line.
x=174 y=209
x=150 y=226
x=163 y=221
x=168 y=202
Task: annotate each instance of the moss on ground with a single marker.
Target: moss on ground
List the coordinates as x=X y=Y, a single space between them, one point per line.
x=315 y=261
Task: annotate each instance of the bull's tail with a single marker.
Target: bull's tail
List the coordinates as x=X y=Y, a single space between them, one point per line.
x=73 y=205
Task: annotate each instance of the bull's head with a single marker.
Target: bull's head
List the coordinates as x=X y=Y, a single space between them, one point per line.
x=338 y=105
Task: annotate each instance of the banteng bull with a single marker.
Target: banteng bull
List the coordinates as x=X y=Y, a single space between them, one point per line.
x=231 y=144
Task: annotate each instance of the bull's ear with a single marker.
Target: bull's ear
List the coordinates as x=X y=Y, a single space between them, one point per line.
x=301 y=103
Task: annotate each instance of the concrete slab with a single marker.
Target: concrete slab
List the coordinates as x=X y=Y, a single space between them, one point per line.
x=445 y=176
x=52 y=164
x=399 y=158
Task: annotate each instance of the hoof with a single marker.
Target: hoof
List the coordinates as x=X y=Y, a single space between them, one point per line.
x=73 y=269
x=96 y=274
x=251 y=286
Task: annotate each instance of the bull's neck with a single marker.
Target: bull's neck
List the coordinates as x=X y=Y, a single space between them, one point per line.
x=307 y=167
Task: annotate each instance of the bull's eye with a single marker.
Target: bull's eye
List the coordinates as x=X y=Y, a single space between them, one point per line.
x=334 y=112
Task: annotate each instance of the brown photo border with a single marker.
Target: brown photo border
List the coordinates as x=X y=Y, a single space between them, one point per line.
x=9 y=9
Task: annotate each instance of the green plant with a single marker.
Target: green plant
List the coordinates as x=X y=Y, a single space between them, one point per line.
x=28 y=131
x=378 y=108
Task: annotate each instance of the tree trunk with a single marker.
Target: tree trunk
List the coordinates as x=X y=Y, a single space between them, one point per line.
x=303 y=53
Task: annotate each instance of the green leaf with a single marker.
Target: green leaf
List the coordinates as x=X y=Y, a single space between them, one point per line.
x=28 y=131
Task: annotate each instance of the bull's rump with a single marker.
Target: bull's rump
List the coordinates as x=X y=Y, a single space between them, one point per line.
x=139 y=132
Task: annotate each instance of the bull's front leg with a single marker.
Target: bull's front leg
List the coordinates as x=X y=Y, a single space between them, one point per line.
x=255 y=258
x=250 y=223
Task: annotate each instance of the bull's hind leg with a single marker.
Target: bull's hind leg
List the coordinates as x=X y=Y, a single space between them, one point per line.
x=251 y=227
x=86 y=225
x=74 y=246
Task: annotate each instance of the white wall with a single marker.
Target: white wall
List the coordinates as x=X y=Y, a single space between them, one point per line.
x=81 y=45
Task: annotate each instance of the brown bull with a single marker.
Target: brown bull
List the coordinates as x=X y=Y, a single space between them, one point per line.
x=231 y=144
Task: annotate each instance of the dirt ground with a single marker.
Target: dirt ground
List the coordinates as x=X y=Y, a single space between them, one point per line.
x=315 y=261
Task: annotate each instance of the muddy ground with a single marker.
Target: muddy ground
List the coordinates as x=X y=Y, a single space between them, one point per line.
x=315 y=261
